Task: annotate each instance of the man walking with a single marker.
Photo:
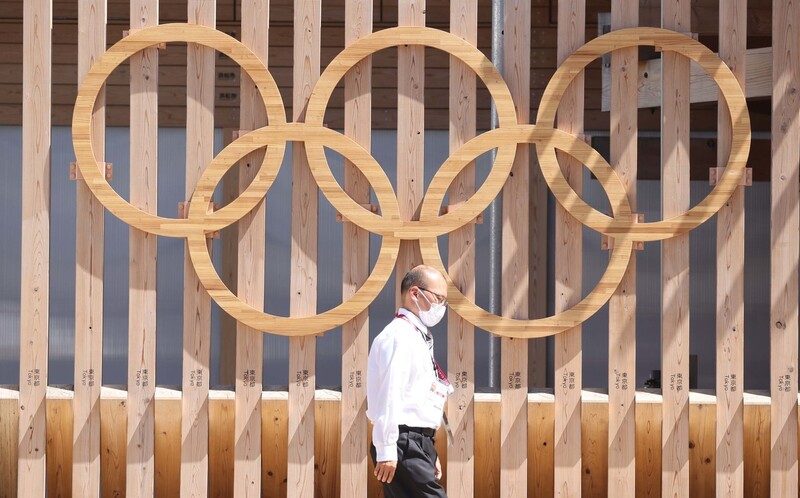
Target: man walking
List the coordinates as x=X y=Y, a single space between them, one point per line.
x=406 y=390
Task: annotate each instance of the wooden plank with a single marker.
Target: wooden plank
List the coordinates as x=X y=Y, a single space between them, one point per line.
x=785 y=222
x=622 y=306
x=675 y=261
x=9 y=430
x=702 y=450
x=461 y=265
x=757 y=69
x=168 y=447
x=275 y=427
x=247 y=472
x=568 y=272
x=35 y=264
x=90 y=242
x=230 y=256
x=59 y=446
x=648 y=449
x=515 y=277
x=113 y=445
x=541 y=447
x=221 y=420
x=303 y=285
x=756 y=450
x=355 y=264
x=196 y=301
x=730 y=277
x=410 y=133
x=595 y=453
x=487 y=438
x=143 y=251
x=327 y=425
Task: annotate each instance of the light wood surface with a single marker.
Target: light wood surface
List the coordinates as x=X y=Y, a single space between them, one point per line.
x=251 y=255
x=461 y=258
x=730 y=279
x=568 y=353
x=140 y=465
x=34 y=267
x=89 y=241
x=675 y=260
x=515 y=278
x=230 y=257
x=785 y=223
x=303 y=283
x=59 y=446
x=200 y=77
x=355 y=265
x=622 y=305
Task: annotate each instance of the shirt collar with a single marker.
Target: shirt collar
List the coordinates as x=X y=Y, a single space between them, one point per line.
x=414 y=319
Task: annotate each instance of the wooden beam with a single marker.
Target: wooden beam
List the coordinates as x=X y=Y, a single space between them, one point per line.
x=568 y=271
x=90 y=242
x=247 y=470
x=514 y=302
x=200 y=77
x=730 y=277
x=675 y=261
x=758 y=81
x=622 y=306
x=355 y=264
x=410 y=133
x=303 y=286
x=785 y=223
x=140 y=468
x=461 y=262
x=230 y=257
x=35 y=264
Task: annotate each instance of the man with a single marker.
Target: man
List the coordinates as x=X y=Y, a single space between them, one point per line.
x=406 y=390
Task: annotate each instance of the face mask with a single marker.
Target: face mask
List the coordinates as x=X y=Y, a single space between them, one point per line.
x=432 y=316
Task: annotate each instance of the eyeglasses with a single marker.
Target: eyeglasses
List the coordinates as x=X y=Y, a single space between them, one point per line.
x=440 y=299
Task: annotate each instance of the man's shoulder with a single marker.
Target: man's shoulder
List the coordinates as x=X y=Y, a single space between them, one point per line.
x=392 y=335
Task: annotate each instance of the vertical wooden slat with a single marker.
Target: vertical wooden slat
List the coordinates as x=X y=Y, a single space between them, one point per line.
x=355 y=263
x=113 y=445
x=410 y=132
x=303 y=286
x=90 y=241
x=784 y=242
x=514 y=352
x=275 y=427
x=196 y=301
x=756 y=450
x=9 y=427
x=622 y=307
x=168 y=448
x=142 y=296
x=35 y=264
x=220 y=445
x=675 y=258
x=540 y=448
x=487 y=438
x=461 y=258
x=595 y=452
x=326 y=448
x=250 y=280
x=230 y=255
x=730 y=276
x=702 y=450
x=568 y=271
x=648 y=449
x=59 y=445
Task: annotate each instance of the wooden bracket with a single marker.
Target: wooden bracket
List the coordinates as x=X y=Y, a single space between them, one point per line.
x=373 y=208
x=714 y=174
x=126 y=32
x=239 y=133
x=75 y=173
x=446 y=209
x=607 y=243
x=183 y=213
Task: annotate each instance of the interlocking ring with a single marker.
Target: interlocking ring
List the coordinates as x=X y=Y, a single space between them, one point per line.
x=620 y=225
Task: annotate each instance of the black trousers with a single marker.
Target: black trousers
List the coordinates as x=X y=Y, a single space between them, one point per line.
x=416 y=468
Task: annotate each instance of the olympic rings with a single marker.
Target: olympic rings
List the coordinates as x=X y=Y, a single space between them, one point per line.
x=620 y=225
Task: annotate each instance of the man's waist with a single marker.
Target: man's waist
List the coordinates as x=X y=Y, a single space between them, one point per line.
x=425 y=431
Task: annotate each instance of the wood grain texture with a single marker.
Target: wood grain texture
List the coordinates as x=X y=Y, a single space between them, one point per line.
x=327 y=469
x=9 y=429
x=622 y=306
x=200 y=75
x=59 y=445
x=248 y=436
x=568 y=272
x=730 y=278
x=703 y=450
x=90 y=242
x=303 y=284
x=756 y=450
x=410 y=133
x=648 y=449
x=229 y=273
x=113 y=445
x=221 y=422
x=461 y=258
x=595 y=452
x=487 y=438
x=675 y=260
x=785 y=222
x=140 y=469
x=355 y=264
x=168 y=446
x=515 y=277
x=34 y=267
x=275 y=427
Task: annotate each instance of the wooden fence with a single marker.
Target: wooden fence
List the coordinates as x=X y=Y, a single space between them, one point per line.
x=139 y=442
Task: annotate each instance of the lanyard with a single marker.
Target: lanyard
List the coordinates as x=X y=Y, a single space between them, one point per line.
x=436 y=368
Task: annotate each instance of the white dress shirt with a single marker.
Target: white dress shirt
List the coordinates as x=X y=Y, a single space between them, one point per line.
x=400 y=375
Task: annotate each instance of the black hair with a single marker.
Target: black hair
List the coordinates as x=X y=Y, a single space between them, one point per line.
x=414 y=277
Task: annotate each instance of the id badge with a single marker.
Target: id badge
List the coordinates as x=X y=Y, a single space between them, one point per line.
x=437 y=396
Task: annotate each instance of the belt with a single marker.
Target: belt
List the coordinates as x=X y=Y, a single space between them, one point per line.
x=425 y=431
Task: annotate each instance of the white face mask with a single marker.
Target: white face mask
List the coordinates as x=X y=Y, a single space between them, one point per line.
x=432 y=316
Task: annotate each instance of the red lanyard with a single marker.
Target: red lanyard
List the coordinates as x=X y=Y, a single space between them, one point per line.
x=436 y=368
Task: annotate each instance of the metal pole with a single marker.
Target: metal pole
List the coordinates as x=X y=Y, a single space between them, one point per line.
x=495 y=210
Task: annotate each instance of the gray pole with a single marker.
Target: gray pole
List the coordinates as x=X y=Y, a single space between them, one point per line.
x=495 y=211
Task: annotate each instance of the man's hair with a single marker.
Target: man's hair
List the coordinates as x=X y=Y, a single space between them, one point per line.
x=414 y=277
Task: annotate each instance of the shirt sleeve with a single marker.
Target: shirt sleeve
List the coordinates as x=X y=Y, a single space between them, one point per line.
x=387 y=375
